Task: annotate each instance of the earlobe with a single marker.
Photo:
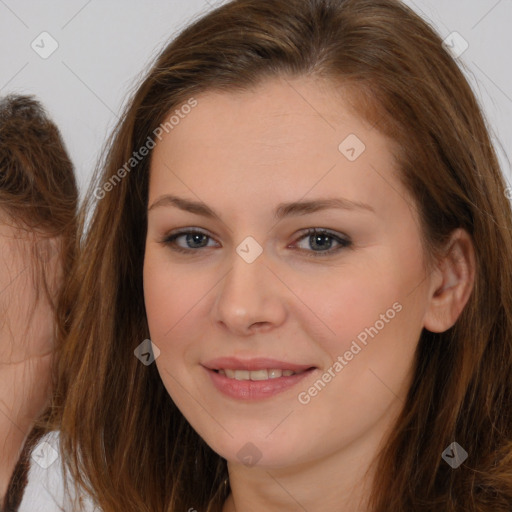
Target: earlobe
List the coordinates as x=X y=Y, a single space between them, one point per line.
x=452 y=283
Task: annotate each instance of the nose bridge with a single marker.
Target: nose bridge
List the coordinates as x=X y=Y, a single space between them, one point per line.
x=245 y=284
x=249 y=293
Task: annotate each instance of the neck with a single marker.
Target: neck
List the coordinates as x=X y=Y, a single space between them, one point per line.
x=281 y=491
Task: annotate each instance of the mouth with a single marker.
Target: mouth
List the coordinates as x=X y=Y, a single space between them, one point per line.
x=255 y=379
x=264 y=374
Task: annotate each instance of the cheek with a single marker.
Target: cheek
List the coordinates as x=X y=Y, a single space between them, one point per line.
x=346 y=301
x=370 y=316
x=172 y=297
x=159 y=303
x=27 y=328
x=368 y=359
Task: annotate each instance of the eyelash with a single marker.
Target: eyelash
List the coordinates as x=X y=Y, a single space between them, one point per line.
x=343 y=242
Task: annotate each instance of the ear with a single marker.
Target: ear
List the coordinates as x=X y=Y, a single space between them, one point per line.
x=452 y=283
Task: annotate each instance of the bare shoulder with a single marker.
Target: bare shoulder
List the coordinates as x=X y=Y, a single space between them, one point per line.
x=45 y=490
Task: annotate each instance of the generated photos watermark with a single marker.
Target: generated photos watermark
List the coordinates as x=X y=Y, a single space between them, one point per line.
x=139 y=155
x=305 y=397
x=454 y=455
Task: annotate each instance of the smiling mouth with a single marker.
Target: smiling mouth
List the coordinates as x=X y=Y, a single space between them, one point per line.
x=264 y=374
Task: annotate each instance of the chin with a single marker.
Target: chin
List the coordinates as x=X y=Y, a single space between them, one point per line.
x=257 y=453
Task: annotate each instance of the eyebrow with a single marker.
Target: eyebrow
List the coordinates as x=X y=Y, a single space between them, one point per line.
x=283 y=209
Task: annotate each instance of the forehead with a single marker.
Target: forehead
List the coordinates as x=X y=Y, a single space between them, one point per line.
x=283 y=139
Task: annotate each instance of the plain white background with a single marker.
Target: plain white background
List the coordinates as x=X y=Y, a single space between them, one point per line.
x=104 y=47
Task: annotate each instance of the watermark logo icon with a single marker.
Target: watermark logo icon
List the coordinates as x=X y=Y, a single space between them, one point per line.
x=147 y=352
x=44 y=45
x=249 y=249
x=249 y=454
x=454 y=455
x=44 y=454
x=352 y=147
x=455 y=44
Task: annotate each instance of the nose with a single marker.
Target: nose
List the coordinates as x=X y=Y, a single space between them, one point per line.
x=250 y=298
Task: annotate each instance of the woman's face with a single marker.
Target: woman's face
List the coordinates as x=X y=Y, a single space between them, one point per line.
x=27 y=323
x=253 y=285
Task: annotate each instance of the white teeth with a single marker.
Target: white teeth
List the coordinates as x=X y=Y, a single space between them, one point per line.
x=242 y=374
x=257 y=375
x=273 y=373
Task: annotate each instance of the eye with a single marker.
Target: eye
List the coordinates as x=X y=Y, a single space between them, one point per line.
x=321 y=241
x=194 y=239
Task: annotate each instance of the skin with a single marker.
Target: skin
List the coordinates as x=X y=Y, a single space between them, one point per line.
x=26 y=342
x=243 y=154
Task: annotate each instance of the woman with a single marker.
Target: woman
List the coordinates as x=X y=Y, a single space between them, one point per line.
x=38 y=200
x=302 y=210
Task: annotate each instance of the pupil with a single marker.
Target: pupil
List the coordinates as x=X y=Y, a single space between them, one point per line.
x=316 y=238
x=193 y=237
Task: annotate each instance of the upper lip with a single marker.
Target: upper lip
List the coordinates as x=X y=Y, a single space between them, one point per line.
x=259 y=363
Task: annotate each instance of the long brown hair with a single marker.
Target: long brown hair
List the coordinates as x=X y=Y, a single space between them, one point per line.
x=124 y=438
x=38 y=195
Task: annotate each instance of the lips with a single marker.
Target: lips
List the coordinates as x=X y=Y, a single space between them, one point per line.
x=254 y=390
x=255 y=379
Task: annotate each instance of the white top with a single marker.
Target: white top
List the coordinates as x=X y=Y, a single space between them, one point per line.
x=44 y=491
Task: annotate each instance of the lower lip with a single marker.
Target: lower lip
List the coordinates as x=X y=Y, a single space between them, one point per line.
x=255 y=389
